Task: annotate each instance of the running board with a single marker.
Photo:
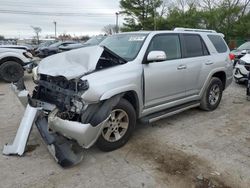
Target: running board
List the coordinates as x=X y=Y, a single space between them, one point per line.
x=169 y=112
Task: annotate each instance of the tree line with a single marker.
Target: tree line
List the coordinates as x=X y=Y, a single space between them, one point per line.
x=231 y=17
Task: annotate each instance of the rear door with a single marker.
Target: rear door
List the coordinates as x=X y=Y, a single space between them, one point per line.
x=164 y=81
x=197 y=60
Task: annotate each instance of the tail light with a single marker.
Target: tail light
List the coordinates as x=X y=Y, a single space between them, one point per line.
x=231 y=56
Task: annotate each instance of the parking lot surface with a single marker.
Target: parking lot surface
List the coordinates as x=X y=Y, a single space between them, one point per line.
x=192 y=149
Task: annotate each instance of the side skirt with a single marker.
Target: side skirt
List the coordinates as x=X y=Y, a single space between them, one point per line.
x=169 y=112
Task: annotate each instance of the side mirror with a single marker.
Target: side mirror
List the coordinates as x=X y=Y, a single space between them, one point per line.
x=156 y=56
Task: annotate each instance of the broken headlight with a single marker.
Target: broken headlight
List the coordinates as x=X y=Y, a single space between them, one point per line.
x=241 y=62
x=82 y=85
x=35 y=75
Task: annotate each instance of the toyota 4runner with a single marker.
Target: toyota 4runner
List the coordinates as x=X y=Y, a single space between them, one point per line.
x=96 y=94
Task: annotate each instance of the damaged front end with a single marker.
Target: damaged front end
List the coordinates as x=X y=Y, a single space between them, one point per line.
x=65 y=121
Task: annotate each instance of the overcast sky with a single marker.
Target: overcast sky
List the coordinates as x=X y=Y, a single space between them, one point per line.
x=79 y=17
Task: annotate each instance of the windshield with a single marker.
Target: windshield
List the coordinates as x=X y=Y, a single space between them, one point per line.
x=95 y=40
x=126 y=46
x=245 y=46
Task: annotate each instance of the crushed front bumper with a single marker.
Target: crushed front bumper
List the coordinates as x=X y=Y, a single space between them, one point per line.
x=239 y=76
x=65 y=139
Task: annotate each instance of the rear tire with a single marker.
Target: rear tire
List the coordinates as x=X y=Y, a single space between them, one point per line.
x=118 y=128
x=11 y=71
x=212 y=96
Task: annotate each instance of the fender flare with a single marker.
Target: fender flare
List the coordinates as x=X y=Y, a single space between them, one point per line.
x=118 y=90
x=203 y=89
x=13 y=55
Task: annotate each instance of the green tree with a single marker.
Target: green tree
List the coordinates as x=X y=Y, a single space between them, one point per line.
x=140 y=14
x=1 y=37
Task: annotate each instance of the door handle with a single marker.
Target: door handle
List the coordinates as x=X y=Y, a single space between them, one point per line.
x=181 y=67
x=209 y=63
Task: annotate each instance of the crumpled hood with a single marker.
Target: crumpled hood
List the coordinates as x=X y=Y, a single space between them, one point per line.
x=246 y=58
x=71 y=64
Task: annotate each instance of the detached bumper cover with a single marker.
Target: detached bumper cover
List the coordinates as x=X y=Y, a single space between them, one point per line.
x=66 y=152
x=84 y=134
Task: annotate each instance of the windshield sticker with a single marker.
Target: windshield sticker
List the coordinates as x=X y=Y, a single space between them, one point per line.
x=137 y=38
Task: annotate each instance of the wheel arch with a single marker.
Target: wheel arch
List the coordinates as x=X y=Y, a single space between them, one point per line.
x=128 y=93
x=11 y=58
x=132 y=98
x=222 y=76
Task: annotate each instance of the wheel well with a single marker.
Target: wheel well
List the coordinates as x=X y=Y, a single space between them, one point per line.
x=11 y=59
x=222 y=76
x=132 y=97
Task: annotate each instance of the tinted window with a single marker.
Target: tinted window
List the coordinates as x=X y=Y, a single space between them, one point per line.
x=193 y=45
x=204 y=48
x=218 y=43
x=170 y=44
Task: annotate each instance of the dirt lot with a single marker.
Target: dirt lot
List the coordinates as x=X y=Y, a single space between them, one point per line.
x=192 y=149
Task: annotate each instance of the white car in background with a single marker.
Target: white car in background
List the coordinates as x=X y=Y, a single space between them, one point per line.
x=242 y=69
x=13 y=62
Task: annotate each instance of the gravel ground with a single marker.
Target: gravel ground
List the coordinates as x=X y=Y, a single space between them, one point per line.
x=192 y=149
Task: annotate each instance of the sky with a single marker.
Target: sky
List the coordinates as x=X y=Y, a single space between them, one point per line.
x=75 y=17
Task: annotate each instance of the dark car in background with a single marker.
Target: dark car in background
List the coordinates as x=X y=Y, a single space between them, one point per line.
x=52 y=49
x=241 y=51
x=91 y=42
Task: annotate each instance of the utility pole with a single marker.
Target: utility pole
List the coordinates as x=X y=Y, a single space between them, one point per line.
x=154 y=15
x=55 y=28
x=116 y=25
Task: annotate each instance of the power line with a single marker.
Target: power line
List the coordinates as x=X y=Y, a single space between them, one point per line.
x=49 y=6
x=55 y=13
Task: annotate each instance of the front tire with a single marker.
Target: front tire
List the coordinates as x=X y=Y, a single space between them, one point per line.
x=118 y=128
x=11 y=71
x=212 y=96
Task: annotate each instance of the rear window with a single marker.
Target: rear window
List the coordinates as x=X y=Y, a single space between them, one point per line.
x=218 y=43
x=194 y=46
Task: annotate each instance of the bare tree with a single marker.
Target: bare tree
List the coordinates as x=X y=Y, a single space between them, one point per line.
x=37 y=30
x=109 y=29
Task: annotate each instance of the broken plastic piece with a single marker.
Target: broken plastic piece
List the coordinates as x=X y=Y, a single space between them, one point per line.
x=20 y=141
x=66 y=152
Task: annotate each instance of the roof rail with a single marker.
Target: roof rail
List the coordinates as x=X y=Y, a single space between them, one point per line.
x=194 y=30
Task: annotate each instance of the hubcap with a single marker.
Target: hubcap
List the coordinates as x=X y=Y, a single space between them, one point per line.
x=214 y=94
x=116 y=126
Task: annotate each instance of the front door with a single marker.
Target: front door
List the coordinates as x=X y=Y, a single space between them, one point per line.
x=164 y=81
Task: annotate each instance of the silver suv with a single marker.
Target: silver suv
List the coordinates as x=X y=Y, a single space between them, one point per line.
x=96 y=94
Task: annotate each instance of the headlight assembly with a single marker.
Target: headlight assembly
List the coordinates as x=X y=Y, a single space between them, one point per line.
x=28 y=55
x=241 y=62
x=35 y=74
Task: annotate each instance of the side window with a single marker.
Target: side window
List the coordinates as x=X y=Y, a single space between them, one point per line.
x=169 y=43
x=205 y=50
x=218 y=43
x=194 y=46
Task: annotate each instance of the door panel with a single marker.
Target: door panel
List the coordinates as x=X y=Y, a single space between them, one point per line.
x=164 y=81
x=196 y=58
